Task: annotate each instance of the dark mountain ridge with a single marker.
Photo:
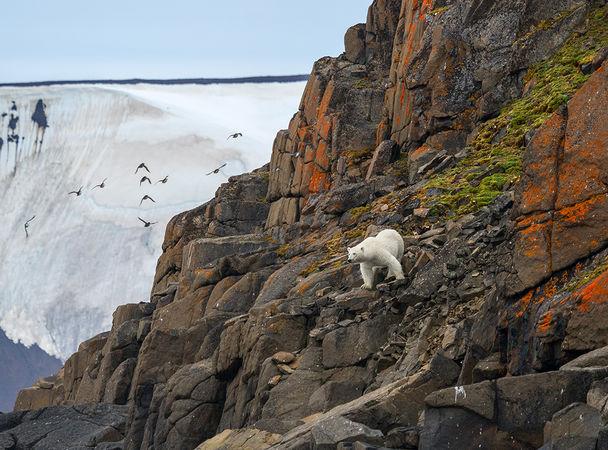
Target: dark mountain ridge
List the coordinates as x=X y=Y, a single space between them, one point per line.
x=21 y=366
x=171 y=81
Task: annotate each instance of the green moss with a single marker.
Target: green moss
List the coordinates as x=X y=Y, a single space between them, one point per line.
x=356 y=156
x=547 y=24
x=333 y=247
x=438 y=11
x=586 y=276
x=494 y=158
x=356 y=213
x=283 y=249
x=363 y=83
x=400 y=167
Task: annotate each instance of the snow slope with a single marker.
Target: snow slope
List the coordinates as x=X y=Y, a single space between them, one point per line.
x=89 y=254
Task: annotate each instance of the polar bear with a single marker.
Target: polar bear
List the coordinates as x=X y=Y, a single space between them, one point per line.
x=384 y=250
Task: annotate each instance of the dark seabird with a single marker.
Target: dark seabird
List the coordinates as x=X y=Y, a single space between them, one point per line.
x=142 y=166
x=100 y=185
x=27 y=225
x=146 y=197
x=217 y=170
x=147 y=224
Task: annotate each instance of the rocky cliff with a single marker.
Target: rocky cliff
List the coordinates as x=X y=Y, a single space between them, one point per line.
x=478 y=130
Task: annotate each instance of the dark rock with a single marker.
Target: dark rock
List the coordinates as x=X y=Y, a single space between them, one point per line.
x=66 y=427
x=354 y=43
x=386 y=153
x=353 y=344
x=576 y=427
x=327 y=433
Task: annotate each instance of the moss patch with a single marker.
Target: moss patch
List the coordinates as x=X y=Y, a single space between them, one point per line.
x=495 y=155
x=363 y=83
x=283 y=249
x=438 y=11
x=586 y=276
x=357 y=156
x=356 y=213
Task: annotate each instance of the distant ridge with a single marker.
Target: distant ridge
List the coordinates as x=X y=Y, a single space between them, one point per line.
x=260 y=79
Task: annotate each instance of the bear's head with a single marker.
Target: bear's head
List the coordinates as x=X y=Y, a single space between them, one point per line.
x=356 y=254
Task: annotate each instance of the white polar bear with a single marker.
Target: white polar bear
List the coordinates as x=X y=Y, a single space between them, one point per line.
x=384 y=250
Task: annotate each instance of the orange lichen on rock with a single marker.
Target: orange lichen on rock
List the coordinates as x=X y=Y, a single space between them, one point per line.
x=319 y=181
x=593 y=293
x=524 y=302
x=577 y=213
x=544 y=324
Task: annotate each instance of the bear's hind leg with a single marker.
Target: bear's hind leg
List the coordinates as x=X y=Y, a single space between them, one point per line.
x=394 y=268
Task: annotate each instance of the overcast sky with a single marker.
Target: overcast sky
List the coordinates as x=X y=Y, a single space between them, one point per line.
x=90 y=39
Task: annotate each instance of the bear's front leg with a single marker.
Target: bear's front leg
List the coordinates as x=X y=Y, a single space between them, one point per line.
x=367 y=272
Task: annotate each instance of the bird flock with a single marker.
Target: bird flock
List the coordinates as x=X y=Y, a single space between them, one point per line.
x=143 y=179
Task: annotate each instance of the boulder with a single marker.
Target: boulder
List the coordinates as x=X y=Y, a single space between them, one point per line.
x=386 y=153
x=576 y=427
x=354 y=44
x=511 y=409
x=240 y=439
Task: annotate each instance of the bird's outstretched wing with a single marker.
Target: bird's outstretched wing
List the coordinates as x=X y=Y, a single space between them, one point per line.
x=33 y=217
x=150 y=198
x=142 y=220
x=96 y=186
x=146 y=167
x=73 y=192
x=222 y=166
x=210 y=173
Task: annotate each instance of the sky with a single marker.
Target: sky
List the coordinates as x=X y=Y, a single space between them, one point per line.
x=116 y=39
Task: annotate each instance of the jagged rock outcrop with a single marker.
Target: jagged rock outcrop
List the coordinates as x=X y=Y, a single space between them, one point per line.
x=469 y=126
x=456 y=63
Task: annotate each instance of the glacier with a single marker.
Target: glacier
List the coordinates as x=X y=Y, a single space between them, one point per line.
x=86 y=255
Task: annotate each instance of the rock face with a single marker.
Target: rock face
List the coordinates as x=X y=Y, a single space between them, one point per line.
x=257 y=334
x=95 y=426
x=563 y=195
x=21 y=366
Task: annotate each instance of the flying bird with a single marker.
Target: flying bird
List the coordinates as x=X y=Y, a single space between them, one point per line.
x=146 y=197
x=100 y=185
x=235 y=136
x=142 y=166
x=78 y=192
x=26 y=225
x=147 y=224
x=217 y=170
x=163 y=181
x=144 y=178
